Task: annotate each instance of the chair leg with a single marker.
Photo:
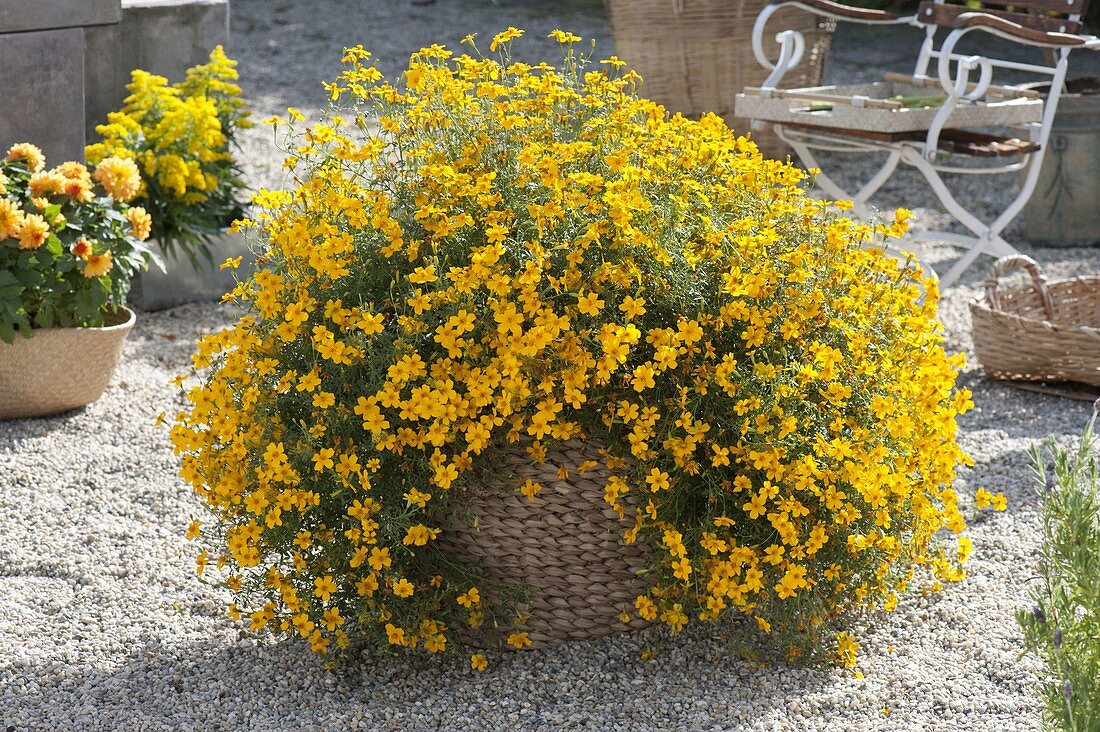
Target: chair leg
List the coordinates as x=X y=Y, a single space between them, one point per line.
x=987 y=239
x=833 y=190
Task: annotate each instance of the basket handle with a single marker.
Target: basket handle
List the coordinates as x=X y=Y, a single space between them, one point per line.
x=1011 y=263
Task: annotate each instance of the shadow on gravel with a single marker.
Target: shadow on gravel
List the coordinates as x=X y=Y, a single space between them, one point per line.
x=14 y=432
x=1016 y=411
x=699 y=679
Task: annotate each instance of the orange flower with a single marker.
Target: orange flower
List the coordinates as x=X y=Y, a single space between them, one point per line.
x=73 y=170
x=98 y=265
x=141 y=223
x=81 y=248
x=119 y=177
x=32 y=154
x=78 y=190
x=32 y=232
x=46 y=184
x=11 y=217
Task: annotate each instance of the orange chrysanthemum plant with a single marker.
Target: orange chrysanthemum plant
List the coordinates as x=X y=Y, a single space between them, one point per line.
x=69 y=241
x=498 y=256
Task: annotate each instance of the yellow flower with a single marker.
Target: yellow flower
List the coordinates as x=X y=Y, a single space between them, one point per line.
x=590 y=304
x=478 y=662
x=519 y=639
x=657 y=480
x=469 y=598
x=847 y=649
x=503 y=37
x=395 y=635
x=419 y=535
x=379 y=558
x=403 y=588
x=530 y=489
x=563 y=37
x=323 y=459
x=323 y=587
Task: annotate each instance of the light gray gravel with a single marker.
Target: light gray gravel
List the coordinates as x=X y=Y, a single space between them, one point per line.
x=104 y=626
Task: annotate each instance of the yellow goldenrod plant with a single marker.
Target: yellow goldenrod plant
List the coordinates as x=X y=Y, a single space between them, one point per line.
x=497 y=256
x=1063 y=627
x=69 y=240
x=182 y=137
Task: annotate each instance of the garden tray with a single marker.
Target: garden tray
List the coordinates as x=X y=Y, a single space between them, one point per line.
x=870 y=107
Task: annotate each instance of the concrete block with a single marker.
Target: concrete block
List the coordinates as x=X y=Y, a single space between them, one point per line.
x=183 y=283
x=42 y=92
x=30 y=15
x=164 y=37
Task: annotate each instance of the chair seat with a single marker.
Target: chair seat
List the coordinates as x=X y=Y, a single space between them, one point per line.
x=958 y=142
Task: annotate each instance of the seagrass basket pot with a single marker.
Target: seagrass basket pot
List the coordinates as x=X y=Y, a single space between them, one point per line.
x=695 y=56
x=565 y=548
x=58 y=369
x=1043 y=331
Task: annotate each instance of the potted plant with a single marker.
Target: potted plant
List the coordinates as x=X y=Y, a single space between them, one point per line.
x=69 y=245
x=182 y=137
x=525 y=282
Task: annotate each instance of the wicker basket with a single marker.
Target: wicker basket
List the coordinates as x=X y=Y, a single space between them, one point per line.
x=58 y=369
x=694 y=56
x=565 y=547
x=1041 y=332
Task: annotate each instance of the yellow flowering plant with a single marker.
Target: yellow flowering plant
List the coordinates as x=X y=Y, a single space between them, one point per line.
x=69 y=241
x=182 y=136
x=499 y=256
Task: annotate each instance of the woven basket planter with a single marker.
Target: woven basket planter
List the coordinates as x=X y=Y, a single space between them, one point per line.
x=565 y=547
x=1040 y=332
x=695 y=56
x=58 y=369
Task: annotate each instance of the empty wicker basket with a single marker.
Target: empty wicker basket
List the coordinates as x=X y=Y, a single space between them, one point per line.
x=695 y=56
x=1040 y=332
x=566 y=546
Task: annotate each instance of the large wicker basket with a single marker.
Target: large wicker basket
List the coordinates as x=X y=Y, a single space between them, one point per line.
x=58 y=369
x=1040 y=332
x=695 y=56
x=565 y=547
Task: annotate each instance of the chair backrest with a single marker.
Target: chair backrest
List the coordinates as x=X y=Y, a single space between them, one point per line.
x=1052 y=16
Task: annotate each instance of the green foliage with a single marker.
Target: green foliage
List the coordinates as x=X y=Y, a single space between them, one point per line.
x=1064 y=625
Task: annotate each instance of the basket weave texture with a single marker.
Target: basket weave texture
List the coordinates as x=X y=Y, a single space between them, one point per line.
x=58 y=369
x=695 y=56
x=566 y=546
x=1040 y=332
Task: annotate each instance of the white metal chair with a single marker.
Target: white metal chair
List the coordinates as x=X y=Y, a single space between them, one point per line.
x=863 y=118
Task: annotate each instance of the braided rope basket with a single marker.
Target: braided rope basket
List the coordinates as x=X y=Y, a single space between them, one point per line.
x=566 y=546
x=1042 y=332
x=58 y=369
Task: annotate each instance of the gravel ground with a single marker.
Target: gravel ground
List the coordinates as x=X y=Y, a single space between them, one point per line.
x=104 y=626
